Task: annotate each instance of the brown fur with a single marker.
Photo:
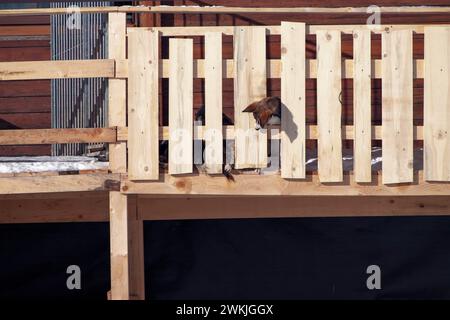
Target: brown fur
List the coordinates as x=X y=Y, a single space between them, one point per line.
x=264 y=109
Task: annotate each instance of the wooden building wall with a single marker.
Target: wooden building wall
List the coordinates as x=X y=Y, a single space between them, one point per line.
x=24 y=104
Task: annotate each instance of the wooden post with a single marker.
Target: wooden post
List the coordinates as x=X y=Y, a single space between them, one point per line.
x=127 y=249
x=117 y=90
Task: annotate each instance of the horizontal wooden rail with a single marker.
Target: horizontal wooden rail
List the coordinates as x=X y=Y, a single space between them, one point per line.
x=224 y=10
x=276 y=30
x=62 y=183
x=36 y=70
x=50 y=136
x=312 y=133
x=273 y=68
x=274 y=185
x=180 y=208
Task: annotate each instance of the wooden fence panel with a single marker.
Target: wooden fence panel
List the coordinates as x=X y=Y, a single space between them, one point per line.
x=249 y=86
x=437 y=104
x=143 y=80
x=213 y=103
x=362 y=91
x=397 y=110
x=329 y=106
x=180 y=106
x=293 y=97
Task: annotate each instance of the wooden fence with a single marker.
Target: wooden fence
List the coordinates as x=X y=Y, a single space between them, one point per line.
x=135 y=68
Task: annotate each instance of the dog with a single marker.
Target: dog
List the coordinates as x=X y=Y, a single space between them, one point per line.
x=266 y=112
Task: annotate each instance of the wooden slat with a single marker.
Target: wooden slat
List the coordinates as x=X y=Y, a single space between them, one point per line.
x=67 y=207
x=225 y=10
x=437 y=104
x=143 y=145
x=50 y=136
x=311 y=131
x=274 y=185
x=328 y=106
x=293 y=97
x=118 y=226
x=249 y=86
x=213 y=103
x=273 y=67
x=276 y=30
x=117 y=89
x=180 y=106
x=362 y=118
x=397 y=111
x=63 y=183
x=36 y=70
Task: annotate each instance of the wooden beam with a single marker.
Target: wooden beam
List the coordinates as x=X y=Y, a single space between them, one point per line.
x=35 y=70
x=290 y=207
x=311 y=132
x=293 y=98
x=397 y=110
x=62 y=183
x=127 y=249
x=50 y=136
x=362 y=97
x=276 y=30
x=274 y=185
x=273 y=67
x=65 y=207
x=117 y=90
x=143 y=162
x=226 y=10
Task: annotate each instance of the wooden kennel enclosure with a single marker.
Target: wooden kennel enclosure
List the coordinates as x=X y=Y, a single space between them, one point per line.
x=135 y=188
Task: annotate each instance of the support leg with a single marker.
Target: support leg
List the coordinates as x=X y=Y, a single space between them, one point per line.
x=127 y=249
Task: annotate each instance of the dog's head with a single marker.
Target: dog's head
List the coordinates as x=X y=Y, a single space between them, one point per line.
x=265 y=111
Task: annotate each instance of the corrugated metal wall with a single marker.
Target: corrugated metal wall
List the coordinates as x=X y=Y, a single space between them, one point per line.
x=78 y=103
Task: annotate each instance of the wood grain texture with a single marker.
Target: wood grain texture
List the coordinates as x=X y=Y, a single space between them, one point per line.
x=290 y=207
x=362 y=91
x=36 y=70
x=117 y=91
x=213 y=103
x=397 y=111
x=180 y=106
x=274 y=185
x=143 y=145
x=293 y=97
x=437 y=104
x=329 y=106
x=249 y=86
x=50 y=136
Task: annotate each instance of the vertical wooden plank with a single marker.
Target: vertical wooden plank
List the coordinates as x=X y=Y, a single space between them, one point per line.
x=117 y=91
x=118 y=229
x=136 y=263
x=437 y=104
x=249 y=86
x=127 y=248
x=397 y=109
x=143 y=79
x=180 y=106
x=329 y=106
x=213 y=103
x=293 y=77
x=362 y=119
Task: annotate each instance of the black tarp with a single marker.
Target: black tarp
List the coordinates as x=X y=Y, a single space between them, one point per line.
x=238 y=259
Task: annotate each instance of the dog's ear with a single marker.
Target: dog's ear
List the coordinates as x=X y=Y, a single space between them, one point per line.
x=251 y=108
x=264 y=117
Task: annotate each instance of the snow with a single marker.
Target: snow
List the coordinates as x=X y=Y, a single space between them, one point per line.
x=44 y=163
